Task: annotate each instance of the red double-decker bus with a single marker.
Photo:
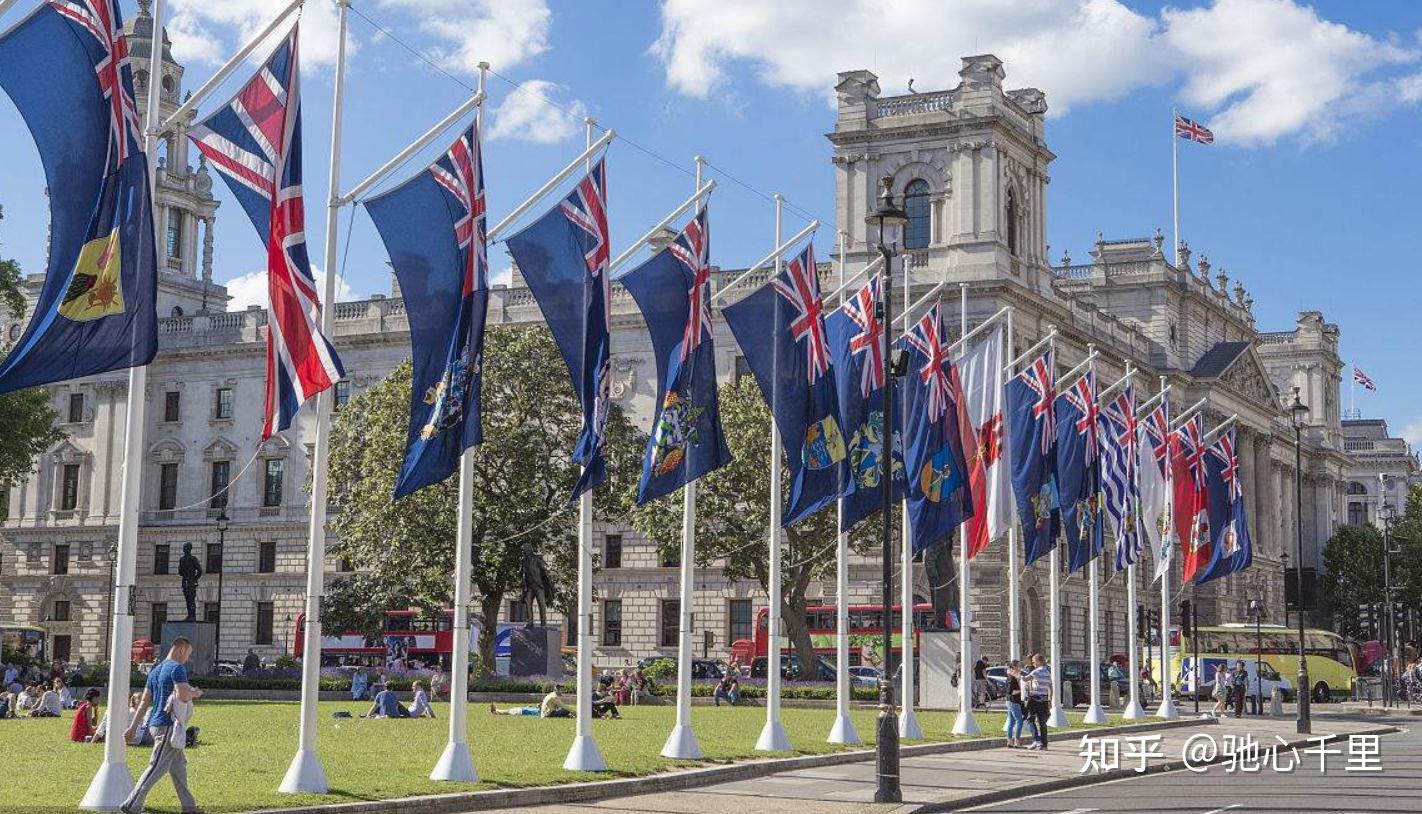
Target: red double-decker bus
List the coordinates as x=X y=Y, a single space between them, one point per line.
x=866 y=631
x=405 y=634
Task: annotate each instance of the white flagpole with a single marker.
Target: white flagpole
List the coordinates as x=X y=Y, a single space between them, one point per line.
x=1014 y=623
x=112 y=783
x=909 y=728
x=681 y=743
x=1094 y=713
x=456 y=763
x=1134 y=711
x=1167 y=710
x=306 y=775
x=584 y=754
x=1057 y=719
x=965 y=723
x=843 y=731
x=773 y=737
x=1175 y=184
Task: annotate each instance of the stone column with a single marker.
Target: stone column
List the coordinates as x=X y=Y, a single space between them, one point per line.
x=206 y=258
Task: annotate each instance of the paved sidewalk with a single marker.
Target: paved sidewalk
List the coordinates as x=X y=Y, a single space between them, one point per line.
x=932 y=782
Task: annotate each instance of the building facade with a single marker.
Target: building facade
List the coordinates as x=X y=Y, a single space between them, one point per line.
x=972 y=166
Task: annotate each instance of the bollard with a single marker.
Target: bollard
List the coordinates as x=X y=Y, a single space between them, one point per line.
x=1276 y=703
x=1113 y=695
x=1068 y=697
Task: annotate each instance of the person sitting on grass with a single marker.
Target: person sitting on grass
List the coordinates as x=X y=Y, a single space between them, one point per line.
x=552 y=707
x=50 y=705
x=66 y=694
x=728 y=689
x=386 y=705
x=604 y=705
x=86 y=718
x=7 y=704
x=420 y=706
x=140 y=730
x=28 y=700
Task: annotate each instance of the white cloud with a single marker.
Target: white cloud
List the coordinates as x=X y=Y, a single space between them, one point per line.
x=1413 y=433
x=209 y=32
x=251 y=289
x=533 y=112
x=503 y=33
x=1256 y=70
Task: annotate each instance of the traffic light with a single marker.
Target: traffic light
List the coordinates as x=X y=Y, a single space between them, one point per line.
x=1185 y=615
x=1142 y=620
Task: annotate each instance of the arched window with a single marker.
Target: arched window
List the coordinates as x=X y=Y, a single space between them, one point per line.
x=1355 y=488
x=177 y=310
x=1012 y=214
x=918 y=232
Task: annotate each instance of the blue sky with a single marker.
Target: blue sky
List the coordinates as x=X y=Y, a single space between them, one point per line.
x=1305 y=196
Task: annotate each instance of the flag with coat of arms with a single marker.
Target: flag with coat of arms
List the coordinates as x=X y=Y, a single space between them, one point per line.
x=1231 y=547
x=1120 y=480
x=1153 y=433
x=977 y=388
x=1192 y=521
x=1078 y=471
x=1031 y=424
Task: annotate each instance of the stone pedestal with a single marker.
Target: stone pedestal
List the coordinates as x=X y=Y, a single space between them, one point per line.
x=535 y=651
x=938 y=658
x=203 y=635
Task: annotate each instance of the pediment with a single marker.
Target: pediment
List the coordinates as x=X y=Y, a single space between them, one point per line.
x=67 y=453
x=220 y=450
x=167 y=451
x=1248 y=377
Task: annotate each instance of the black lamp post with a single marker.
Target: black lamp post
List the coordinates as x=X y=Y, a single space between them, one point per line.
x=886 y=216
x=222 y=523
x=1298 y=414
x=1389 y=517
x=1284 y=563
x=1255 y=611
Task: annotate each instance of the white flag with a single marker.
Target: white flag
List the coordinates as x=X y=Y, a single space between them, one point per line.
x=984 y=442
x=1154 y=515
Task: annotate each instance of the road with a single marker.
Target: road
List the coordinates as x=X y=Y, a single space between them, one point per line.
x=1398 y=787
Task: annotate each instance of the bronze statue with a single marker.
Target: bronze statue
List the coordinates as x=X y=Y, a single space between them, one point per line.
x=537 y=584
x=190 y=571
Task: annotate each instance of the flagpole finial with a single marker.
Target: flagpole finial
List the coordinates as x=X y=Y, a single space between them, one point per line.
x=590 y=121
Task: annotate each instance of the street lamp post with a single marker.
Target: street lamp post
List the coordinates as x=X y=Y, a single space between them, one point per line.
x=887 y=215
x=222 y=523
x=109 y=606
x=1284 y=563
x=1298 y=414
x=1256 y=612
x=1389 y=516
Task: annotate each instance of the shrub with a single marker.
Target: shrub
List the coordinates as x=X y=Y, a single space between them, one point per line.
x=661 y=668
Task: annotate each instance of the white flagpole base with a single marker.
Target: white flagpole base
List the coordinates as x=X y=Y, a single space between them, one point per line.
x=1134 y=711
x=773 y=738
x=456 y=764
x=843 y=732
x=1058 y=718
x=584 y=756
x=966 y=724
x=908 y=725
x=681 y=744
x=110 y=787
x=1167 y=710
x=1094 y=715
x=305 y=775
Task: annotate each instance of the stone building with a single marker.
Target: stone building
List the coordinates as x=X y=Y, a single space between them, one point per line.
x=1383 y=469
x=972 y=166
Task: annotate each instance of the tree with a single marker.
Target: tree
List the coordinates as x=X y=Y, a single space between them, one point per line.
x=28 y=419
x=402 y=551
x=733 y=518
x=1353 y=576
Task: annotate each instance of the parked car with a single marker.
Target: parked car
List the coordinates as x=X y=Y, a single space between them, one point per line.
x=700 y=668
x=228 y=669
x=1078 y=674
x=865 y=676
x=1187 y=679
x=997 y=681
x=790 y=669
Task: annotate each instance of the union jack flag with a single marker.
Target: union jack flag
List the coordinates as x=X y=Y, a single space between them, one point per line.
x=1119 y=442
x=1190 y=437
x=101 y=18
x=464 y=178
x=1082 y=396
x=862 y=310
x=1041 y=377
x=1191 y=130
x=1223 y=451
x=254 y=142
x=1157 y=427
x=803 y=292
x=1364 y=379
x=695 y=255
x=927 y=339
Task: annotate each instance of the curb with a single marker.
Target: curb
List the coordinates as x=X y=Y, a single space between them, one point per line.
x=675 y=780
x=1079 y=781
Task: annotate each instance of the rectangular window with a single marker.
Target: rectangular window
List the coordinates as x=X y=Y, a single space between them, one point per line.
x=62 y=647
x=157 y=617
x=738 y=614
x=264 y=623
x=167 y=487
x=518 y=610
x=174 y=242
x=69 y=491
x=612 y=551
x=223 y=408
x=172 y=403
x=742 y=368
x=61 y=611
x=266 y=557
x=76 y=408
x=61 y=559
x=671 y=622
x=221 y=477
x=212 y=611
x=214 y=559
x=612 y=623
x=343 y=393
x=271 y=486
x=161 y=555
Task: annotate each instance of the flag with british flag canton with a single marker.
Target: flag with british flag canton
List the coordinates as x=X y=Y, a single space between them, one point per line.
x=254 y=143
x=978 y=391
x=1120 y=476
x=938 y=493
x=66 y=68
x=1191 y=130
x=781 y=329
x=1078 y=471
x=564 y=258
x=856 y=338
x=1231 y=549
x=1031 y=426
x=433 y=226
x=1192 y=520
x=673 y=291
x=1153 y=434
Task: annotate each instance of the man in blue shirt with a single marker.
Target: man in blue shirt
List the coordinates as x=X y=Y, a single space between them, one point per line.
x=169 y=679
x=386 y=705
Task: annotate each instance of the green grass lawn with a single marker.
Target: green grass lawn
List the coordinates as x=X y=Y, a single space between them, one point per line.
x=246 y=747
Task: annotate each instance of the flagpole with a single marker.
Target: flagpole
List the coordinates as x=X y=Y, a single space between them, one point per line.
x=584 y=754
x=681 y=743
x=843 y=731
x=112 y=783
x=1134 y=711
x=1057 y=719
x=1094 y=713
x=456 y=763
x=1167 y=710
x=909 y=728
x=773 y=737
x=1175 y=184
x=1014 y=631
x=964 y=723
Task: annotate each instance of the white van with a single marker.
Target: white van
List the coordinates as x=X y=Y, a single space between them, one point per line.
x=1191 y=683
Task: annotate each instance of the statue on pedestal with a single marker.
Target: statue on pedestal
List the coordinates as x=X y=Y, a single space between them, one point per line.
x=190 y=571
x=537 y=584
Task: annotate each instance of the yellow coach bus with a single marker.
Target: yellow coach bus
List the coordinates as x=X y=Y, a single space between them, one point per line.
x=1331 y=659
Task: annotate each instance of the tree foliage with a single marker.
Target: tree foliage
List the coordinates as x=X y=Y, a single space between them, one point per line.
x=733 y=518
x=403 y=551
x=1354 y=575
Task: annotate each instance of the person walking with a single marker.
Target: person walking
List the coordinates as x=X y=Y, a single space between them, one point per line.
x=166 y=681
x=1220 y=691
x=1039 y=700
x=1239 y=684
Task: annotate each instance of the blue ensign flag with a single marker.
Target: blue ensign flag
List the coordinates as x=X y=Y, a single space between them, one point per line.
x=856 y=337
x=1231 y=549
x=781 y=329
x=66 y=68
x=1120 y=481
x=1078 y=471
x=673 y=291
x=938 y=495
x=1031 y=426
x=433 y=228
x=564 y=258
